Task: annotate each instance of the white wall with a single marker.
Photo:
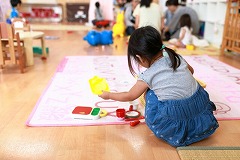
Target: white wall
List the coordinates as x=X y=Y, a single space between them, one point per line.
x=162 y=3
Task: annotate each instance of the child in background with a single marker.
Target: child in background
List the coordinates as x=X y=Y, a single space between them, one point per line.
x=177 y=10
x=128 y=15
x=14 y=13
x=16 y=4
x=149 y=13
x=167 y=15
x=178 y=110
x=98 y=13
x=185 y=36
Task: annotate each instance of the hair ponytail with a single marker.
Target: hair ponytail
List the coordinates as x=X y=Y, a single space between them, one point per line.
x=146 y=42
x=174 y=57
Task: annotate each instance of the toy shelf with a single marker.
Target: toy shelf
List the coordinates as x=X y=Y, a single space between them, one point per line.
x=35 y=12
x=213 y=13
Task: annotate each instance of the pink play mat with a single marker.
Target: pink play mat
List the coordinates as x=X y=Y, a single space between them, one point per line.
x=69 y=88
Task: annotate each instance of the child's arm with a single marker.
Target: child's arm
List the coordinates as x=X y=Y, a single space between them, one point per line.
x=162 y=23
x=136 y=13
x=190 y=68
x=136 y=91
x=136 y=22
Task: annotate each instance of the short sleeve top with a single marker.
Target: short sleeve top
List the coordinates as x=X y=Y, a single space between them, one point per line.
x=149 y=15
x=168 y=84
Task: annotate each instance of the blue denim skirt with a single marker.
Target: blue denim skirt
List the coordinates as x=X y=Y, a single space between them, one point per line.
x=181 y=122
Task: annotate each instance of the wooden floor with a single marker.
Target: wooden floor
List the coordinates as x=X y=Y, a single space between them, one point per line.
x=20 y=92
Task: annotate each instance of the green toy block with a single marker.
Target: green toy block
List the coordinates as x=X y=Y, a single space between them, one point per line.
x=38 y=50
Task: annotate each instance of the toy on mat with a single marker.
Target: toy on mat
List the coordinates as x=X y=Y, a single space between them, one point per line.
x=134 y=123
x=119 y=27
x=203 y=84
x=98 y=85
x=88 y=113
x=133 y=116
x=190 y=47
x=95 y=38
x=120 y=113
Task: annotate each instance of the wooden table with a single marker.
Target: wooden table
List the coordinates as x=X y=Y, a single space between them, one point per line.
x=28 y=38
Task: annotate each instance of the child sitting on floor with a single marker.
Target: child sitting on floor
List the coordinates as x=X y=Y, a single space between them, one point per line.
x=178 y=110
x=98 y=13
x=185 y=36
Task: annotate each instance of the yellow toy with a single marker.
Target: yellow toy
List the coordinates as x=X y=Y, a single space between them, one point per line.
x=203 y=84
x=190 y=47
x=98 y=85
x=119 y=26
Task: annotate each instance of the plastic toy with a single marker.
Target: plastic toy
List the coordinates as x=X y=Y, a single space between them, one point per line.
x=102 y=23
x=133 y=114
x=134 y=123
x=190 y=47
x=120 y=113
x=203 y=84
x=119 y=26
x=38 y=50
x=103 y=113
x=88 y=113
x=95 y=38
x=135 y=104
x=106 y=37
x=98 y=85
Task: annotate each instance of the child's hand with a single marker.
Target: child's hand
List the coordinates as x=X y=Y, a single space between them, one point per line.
x=104 y=95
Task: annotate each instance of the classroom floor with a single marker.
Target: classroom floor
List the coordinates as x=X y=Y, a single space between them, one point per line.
x=20 y=92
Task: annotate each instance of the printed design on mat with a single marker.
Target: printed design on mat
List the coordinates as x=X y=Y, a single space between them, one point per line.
x=69 y=88
x=223 y=84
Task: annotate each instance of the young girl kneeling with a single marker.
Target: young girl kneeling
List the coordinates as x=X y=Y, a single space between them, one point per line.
x=178 y=110
x=185 y=35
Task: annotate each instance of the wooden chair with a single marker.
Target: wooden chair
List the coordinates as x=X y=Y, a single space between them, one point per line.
x=19 y=24
x=11 y=47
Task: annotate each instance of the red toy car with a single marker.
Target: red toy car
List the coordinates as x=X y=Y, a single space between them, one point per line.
x=102 y=23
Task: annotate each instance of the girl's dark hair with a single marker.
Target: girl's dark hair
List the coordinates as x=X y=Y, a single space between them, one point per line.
x=14 y=3
x=97 y=4
x=145 y=3
x=185 y=20
x=146 y=42
x=172 y=3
